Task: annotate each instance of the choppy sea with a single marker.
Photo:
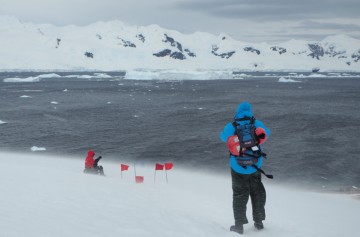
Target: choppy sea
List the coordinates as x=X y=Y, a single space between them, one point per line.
x=315 y=122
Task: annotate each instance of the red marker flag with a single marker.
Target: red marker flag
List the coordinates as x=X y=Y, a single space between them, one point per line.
x=124 y=167
x=139 y=179
x=168 y=166
x=159 y=167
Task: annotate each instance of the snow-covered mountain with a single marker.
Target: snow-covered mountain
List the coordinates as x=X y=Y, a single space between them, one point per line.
x=116 y=46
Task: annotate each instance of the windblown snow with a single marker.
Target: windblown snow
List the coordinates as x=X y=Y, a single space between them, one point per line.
x=45 y=196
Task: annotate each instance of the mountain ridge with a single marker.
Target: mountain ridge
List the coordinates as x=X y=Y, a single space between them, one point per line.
x=113 y=45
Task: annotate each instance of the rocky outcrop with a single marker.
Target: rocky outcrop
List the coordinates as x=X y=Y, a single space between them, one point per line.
x=58 y=40
x=316 y=51
x=141 y=37
x=89 y=54
x=225 y=55
x=173 y=42
x=191 y=54
x=168 y=52
x=126 y=43
x=356 y=56
x=252 y=50
x=332 y=52
x=278 y=49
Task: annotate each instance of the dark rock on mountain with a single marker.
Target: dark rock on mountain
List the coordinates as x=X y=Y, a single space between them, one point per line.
x=172 y=42
x=40 y=31
x=126 y=43
x=316 y=51
x=331 y=52
x=281 y=50
x=58 y=40
x=191 y=54
x=251 y=49
x=168 y=52
x=356 y=56
x=163 y=53
x=175 y=54
x=99 y=36
x=226 y=55
x=178 y=55
x=89 y=54
x=141 y=37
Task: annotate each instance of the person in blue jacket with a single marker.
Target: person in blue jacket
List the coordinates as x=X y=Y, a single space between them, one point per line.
x=246 y=179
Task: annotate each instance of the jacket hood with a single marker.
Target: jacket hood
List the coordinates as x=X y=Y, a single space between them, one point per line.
x=243 y=110
x=91 y=153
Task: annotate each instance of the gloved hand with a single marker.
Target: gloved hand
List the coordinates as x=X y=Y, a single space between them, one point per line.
x=99 y=157
x=261 y=136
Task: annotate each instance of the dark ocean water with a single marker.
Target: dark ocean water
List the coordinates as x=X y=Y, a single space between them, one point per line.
x=315 y=124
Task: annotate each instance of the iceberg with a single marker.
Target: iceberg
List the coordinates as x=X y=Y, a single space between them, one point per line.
x=177 y=75
x=283 y=79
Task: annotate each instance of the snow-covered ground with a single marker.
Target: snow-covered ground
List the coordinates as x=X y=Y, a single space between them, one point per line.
x=43 y=195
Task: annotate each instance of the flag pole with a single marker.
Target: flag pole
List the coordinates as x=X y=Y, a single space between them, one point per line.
x=155 y=175
x=166 y=177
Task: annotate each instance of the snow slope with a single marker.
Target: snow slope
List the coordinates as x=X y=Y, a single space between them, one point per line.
x=50 y=196
x=115 y=46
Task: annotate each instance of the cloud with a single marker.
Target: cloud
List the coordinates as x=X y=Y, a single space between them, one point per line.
x=309 y=24
x=274 y=10
x=248 y=20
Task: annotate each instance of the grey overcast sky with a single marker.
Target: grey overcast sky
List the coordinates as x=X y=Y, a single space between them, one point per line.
x=246 y=20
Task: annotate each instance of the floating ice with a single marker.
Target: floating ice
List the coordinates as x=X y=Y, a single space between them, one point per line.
x=2 y=122
x=317 y=75
x=177 y=75
x=102 y=75
x=54 y=102
x=25 y=96
x=32 y=79
x=35 y=148
x=283 y=79
x=84 y=76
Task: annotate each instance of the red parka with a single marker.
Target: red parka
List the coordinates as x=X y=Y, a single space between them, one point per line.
x=89 y=161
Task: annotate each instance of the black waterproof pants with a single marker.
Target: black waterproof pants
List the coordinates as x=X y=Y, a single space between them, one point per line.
x=96 y=170
x=245 y=185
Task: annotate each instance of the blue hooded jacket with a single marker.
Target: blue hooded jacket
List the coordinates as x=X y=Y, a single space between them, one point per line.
x=243 y=110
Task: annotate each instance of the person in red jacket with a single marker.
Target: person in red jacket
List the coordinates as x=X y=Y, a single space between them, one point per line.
x=91 y=164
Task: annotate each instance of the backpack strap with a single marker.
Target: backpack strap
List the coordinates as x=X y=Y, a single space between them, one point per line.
x=246 y=118
x=269 y=176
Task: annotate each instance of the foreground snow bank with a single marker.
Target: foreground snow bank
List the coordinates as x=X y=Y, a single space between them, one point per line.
x=48 y=196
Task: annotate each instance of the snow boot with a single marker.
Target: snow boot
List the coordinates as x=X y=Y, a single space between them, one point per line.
x=259 y=225
x=237 y=228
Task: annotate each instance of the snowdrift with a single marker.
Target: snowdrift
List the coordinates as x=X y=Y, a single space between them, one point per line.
x=51 y=196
